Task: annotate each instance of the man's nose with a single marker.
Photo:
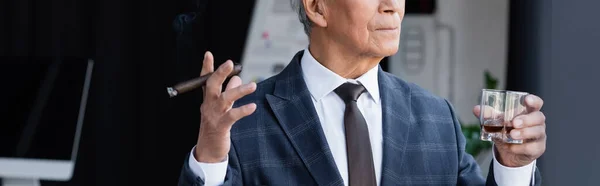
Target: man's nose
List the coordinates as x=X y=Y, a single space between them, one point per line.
x=392 y=6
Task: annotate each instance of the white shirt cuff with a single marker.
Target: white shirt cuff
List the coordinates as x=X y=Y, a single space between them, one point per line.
x=211 y=173
x=513 y=175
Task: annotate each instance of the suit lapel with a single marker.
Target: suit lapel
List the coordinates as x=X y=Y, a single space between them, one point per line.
x=395 y=99
x=291 y=103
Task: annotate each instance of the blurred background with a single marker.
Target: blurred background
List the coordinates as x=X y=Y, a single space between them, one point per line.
x=133 y=134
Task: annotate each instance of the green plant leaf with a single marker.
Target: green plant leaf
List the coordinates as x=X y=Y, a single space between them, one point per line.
x=490 y=81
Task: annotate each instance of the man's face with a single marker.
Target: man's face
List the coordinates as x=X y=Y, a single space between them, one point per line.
x=371 y=27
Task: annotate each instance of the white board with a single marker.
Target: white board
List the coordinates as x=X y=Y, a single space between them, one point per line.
x=275 y=35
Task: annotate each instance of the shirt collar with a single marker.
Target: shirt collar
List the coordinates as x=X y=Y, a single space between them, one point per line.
x=321 y=81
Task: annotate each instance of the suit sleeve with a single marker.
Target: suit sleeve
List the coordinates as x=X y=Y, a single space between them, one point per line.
x=469 y=172
x=233 y=176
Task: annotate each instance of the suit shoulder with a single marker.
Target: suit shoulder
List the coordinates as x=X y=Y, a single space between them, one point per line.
x=412 y=88
x=419 y=95
x=428 y=111
x=262 y=118
x=262 y=89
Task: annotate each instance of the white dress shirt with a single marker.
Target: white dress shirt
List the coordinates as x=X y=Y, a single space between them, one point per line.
x=321 y=82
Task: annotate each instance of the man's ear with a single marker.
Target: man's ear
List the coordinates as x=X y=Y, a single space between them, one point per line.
x=315 y=11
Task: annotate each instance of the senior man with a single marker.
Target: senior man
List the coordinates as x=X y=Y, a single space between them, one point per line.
x=333 y=117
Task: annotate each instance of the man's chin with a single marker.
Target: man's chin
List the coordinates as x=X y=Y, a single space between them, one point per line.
x=383 y=50
x=388 y=51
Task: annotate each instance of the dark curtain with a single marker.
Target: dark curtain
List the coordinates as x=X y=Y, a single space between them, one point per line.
x=133 y=133
x=524 y=46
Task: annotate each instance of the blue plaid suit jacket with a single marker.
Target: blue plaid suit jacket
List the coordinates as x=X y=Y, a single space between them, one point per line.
x=282 y=143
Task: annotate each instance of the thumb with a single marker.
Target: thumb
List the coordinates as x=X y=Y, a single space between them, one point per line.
x=208 y=64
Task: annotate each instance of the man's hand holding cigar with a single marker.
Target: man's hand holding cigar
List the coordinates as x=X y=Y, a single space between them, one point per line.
x=217 y=114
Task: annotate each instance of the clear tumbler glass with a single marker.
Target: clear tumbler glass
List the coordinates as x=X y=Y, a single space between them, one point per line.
x=498 y=109
x=491 y=116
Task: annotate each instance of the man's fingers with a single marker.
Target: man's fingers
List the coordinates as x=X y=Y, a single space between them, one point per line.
x=535 y=132
x=215 y=82
x=236 y=114
x=530 y=150
x=207 y=67
x=208 y=64
x=476 y=110
x=235 y=81
x=528 y=120
x=229 y=96
x=533 y=103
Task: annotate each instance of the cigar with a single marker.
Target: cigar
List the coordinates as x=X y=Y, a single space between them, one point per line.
x=192 y=84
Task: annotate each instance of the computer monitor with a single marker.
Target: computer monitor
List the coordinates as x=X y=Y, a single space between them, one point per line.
x=41 y=117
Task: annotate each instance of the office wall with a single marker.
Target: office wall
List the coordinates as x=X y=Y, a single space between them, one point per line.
x=554 y=54
x=570 y=84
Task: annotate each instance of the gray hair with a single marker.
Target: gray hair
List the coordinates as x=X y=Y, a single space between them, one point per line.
x=298 y=6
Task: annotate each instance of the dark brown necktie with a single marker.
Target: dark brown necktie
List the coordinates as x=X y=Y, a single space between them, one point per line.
x=361 y=171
